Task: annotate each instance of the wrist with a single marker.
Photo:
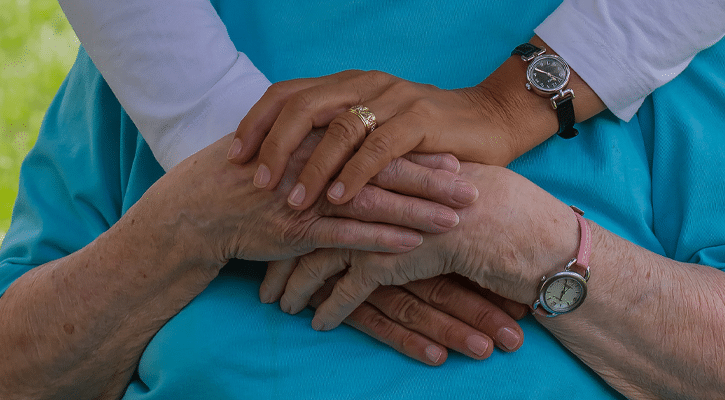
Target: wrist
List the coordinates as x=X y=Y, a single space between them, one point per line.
x=526 y=118
x=530 y=118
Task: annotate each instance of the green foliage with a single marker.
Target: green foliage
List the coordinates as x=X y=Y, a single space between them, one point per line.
x=37 y=48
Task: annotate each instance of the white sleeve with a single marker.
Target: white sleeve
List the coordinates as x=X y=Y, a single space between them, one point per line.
x=625 y=49
x=173 y=68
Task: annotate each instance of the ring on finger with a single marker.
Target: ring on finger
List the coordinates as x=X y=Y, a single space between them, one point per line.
x=367 y=117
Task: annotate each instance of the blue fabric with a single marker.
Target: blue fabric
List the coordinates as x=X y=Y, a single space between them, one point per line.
x=656 y=181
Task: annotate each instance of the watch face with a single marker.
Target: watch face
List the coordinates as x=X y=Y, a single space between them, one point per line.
x=563 y=292
x=548 y=73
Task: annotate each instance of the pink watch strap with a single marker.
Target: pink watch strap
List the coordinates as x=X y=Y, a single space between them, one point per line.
x=585 y=240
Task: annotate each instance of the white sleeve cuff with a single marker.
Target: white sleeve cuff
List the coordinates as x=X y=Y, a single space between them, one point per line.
x=625 y=49
x=217 y=113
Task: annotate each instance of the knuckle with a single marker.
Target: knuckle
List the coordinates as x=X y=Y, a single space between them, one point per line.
x=405 y=89
x=380 y=325
x=345 y=295
x=278 y=90
x=302 y=101
x=426 y=181
x=343 y=129
x=447 y=333
x=375 y=148
x=409 y=310
x=408 y=342
x=440 y=293
x=316 y=169
x=365 y=201
x=423 y=107
x=311 y=270
x=410 y=211
x=483 y=317
x=392 y=172
x=376 y=77
x=380 y=144
x=273 y=144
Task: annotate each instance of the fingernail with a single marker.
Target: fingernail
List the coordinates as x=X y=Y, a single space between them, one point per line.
x=508 y=338
x=264 y=295
x=262 y=177
x=464 y=192
x=410 y=240
x=336 y=191
x=433 y=353
x=447 y=219
x=284 y=305
x=235 y=149
x=477 y=344
x=297 y=195
x=317 y=324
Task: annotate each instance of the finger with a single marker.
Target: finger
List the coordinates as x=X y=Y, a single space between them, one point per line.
x=310 y=275
x=377 y=325
x=371 y=321
x=358 y=235
x=444 y=161
x=444 y=187
x=275 y=279
x=374 y=204
x=344 y=134
x=415 y=314
x=454 y=299
x=396 y=137
x=313 y=107
x=514 y=309
x=347 y=294
x=261 y=117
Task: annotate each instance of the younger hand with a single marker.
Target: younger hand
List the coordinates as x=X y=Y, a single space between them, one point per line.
x=410 y=117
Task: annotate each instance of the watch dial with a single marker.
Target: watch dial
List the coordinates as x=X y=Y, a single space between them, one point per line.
x=564 y=294
x=548 y=73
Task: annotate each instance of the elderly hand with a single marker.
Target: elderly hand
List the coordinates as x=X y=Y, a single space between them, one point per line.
x=410 y=117
x=422 y=319
x=511 y=237
x=215 y=201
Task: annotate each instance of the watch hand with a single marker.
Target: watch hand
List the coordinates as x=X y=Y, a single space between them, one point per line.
x=547 y=73
x=563 y=290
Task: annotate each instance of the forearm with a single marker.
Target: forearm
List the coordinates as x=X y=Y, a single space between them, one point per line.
x=77 y=326
x=650 y=326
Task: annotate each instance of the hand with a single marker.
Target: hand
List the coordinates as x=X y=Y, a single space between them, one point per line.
x=511 y=237
x=214 y=202
x=425 y=318
x=411 y=117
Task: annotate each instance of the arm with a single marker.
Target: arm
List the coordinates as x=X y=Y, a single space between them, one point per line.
x=78 y=325
x=650 y=326
x=149 y=52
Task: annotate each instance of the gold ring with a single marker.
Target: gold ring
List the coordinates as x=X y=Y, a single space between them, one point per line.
x=367 y=117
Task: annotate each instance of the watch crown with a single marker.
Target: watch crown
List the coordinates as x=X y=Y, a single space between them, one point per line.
x=528 y=86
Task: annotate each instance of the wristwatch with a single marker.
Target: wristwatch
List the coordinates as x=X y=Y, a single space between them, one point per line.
x=565 y=291
x=548 y=76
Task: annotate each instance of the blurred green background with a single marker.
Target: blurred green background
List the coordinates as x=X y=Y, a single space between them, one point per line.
x=37 y=48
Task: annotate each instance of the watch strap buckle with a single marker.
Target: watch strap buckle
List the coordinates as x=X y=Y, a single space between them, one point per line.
x=561 y=97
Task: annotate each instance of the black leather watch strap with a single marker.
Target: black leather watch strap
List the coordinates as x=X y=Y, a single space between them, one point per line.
x=526 y=51
x=565 y=113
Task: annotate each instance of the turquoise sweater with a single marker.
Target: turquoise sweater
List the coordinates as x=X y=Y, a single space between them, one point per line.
x=657 y=181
